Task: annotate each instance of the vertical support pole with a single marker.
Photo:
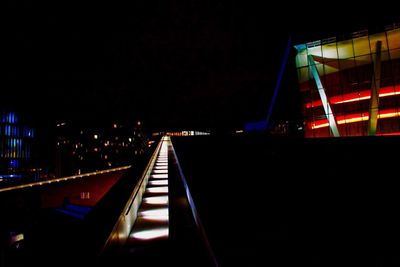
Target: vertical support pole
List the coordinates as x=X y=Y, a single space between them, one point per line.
x=375 y=86
x=324 y=99
x=278 y=82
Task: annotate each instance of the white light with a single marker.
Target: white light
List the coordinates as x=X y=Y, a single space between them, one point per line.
x=161 y=189
x=159 y=176
x=165 y=167
x=156 y=200
x=160 y=171
x=154 y=213
x=17 y=238
x=151 y=234
x=156 y=218
x=159 y=182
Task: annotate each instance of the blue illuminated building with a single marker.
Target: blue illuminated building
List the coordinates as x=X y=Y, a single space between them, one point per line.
x=15 y=146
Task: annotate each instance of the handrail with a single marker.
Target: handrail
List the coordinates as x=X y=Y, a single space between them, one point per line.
x=146 y=174
x=195 y=214
x=62 y=179
x=128 y=215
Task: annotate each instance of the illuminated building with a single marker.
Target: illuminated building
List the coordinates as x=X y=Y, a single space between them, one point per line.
x=15 y=146
x=351 y=87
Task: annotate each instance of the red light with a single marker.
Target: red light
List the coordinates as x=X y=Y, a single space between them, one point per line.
x=389 y=134
x=387 y=113
x=357 y=96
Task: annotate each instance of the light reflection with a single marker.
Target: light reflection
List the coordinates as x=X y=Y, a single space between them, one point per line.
x=154 y=213
x=160 y=171
x=159 y=176
x=159 y=182
x=161 y=164
x=161 y=189
x=156 y=218
x=151 y=234
x=156 y=200
x=164 y=167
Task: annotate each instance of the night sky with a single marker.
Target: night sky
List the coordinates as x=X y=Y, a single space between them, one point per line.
x=173 y=65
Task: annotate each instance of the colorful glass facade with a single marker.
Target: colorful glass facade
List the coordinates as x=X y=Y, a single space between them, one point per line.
x=15 y=143
x=351 y=87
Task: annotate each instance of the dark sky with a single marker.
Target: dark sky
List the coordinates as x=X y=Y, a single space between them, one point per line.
x=171 y=64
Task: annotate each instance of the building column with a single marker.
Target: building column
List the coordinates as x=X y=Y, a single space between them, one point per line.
x=324 y=99
x=375 y=86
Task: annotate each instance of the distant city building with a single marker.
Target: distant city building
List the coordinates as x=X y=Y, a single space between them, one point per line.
x=15 y=148
x=351 y=87
x=81 y=150
x=182 y=133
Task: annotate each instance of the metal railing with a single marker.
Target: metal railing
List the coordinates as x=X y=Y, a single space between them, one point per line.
x=62 y=179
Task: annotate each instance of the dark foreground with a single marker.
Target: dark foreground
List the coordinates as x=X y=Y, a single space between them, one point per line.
x=271 y=201
x=263 y=201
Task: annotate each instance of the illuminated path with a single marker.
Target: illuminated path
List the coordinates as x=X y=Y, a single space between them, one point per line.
x=167 y=230
x=153 y=216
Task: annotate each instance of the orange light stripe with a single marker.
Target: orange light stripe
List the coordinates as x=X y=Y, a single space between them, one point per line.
x=387 y=113
x=353 y=97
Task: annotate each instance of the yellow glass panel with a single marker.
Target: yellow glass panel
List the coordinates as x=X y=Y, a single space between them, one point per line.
x=329 y=52
x=345 y=49
x=315 y=51
x=394 y=54
x=320 y=69
x=373 y=39
x=363 y=60
x=394 y=39
x=361 y=46
x=304 y=74
x=385 y=56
